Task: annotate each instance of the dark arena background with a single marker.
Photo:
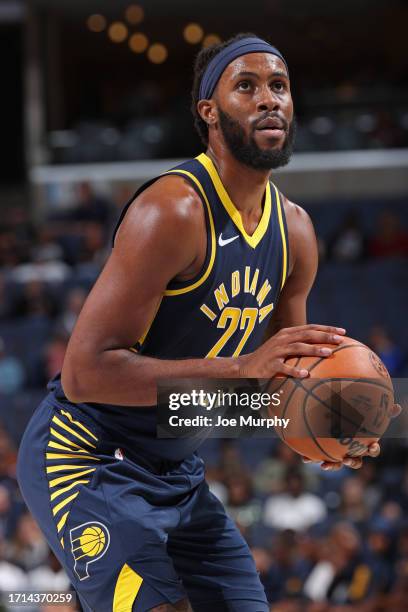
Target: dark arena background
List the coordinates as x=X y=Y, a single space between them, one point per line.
x=95 y=100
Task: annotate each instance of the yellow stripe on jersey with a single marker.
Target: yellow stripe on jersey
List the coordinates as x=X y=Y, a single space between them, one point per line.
x=283 y=235
x=63 y=503
x=59 y=492
x=70 y=456
x=57 y=445
x=127 y=587
x=59 y=436
x=61 y=468
x=58 y=421
x=74 y=422
x=57 y=481
x=205 y=275
x=230 y=207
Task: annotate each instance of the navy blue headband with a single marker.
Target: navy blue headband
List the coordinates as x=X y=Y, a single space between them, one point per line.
x=219 y=63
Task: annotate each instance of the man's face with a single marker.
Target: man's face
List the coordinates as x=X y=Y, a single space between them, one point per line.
x=255 y=111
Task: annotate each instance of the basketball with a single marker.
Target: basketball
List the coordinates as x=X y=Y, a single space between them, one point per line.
x=341 y=408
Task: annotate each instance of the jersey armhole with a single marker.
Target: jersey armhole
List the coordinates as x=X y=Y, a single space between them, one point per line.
x=180 y=287
x=283 y=228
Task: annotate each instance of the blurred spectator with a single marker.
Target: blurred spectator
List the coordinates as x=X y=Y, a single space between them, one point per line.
x=49 y=576
x=74 y=300
x=295 y=508
x=241 y=505
x=93 y=247
x=392 y=513
x=348 y=243
x=5 y=511
x=353 y=504
x=387 y=133
x=231 y=461
x=11 y=372
x=389 y=352
x=12 y=578
x=54 y=354
x=381 y=554
x=321 y=576
x=342 y=575
x=12 y=252
x=7 y=458
x=35 y=301
x=5 y=310
x=352 y=575
x=90 y=206
x=271 y=473
x=283 y=578
x=45 y=266
x=391 y=239
x=28 y=548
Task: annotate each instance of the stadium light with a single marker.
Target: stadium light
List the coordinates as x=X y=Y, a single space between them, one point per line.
x=157 y=53
x=138 y=42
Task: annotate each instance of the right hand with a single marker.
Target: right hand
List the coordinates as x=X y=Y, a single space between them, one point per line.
x=269 y=359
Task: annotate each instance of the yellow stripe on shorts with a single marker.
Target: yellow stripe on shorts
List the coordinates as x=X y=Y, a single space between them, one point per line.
x=127 y=587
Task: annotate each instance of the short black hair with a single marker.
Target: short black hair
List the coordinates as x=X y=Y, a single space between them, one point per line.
x=201 y=62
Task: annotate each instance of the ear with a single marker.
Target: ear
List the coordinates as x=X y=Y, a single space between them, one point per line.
x=207 y=111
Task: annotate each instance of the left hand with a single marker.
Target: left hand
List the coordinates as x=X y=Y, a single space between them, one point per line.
x=355 y=463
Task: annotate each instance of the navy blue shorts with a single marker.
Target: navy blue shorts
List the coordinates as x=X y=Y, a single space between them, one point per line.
x=131 y=537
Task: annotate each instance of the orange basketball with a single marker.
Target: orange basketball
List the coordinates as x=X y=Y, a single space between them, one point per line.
x=342 y=407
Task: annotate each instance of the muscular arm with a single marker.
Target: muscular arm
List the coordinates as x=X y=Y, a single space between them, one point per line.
x=291 y=309
x=148 y=253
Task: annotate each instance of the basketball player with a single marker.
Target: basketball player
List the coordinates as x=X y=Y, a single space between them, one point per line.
x=207 y=258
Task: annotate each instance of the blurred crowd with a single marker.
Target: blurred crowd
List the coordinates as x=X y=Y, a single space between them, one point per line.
x=322 y=541
x=147 y=122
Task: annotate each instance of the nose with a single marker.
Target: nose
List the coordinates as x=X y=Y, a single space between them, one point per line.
x=267 y=100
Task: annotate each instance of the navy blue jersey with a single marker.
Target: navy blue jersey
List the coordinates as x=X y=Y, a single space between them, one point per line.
x=223 y=311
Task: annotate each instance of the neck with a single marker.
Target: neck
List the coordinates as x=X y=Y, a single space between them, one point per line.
x=245 y=186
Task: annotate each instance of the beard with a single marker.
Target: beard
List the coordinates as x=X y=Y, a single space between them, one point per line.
x=246 y=151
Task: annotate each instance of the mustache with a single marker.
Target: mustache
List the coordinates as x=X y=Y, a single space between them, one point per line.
x=272 y=115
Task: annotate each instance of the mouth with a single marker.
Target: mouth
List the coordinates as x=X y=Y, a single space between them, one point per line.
x=271 y=127
x=271 y=132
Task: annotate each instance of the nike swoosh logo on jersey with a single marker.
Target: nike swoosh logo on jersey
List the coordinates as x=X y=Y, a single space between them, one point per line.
x=222 y=242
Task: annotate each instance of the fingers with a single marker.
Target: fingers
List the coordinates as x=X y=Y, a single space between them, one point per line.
x=395 y=411
x=326 y=465
x=330 y=466
x=328 y=329
x=293 y=371
x=373 y=450
x=353 y=462
x=306 y=350
x=312 y=336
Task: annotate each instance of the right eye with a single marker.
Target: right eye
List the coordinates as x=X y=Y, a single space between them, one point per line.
x=244 y=85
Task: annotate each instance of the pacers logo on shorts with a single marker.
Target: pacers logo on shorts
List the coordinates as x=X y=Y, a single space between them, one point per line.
x=89 y=542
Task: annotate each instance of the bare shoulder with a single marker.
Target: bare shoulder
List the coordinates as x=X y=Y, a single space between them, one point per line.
x=302 y=237
x=170 y=202
x=297 y=218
